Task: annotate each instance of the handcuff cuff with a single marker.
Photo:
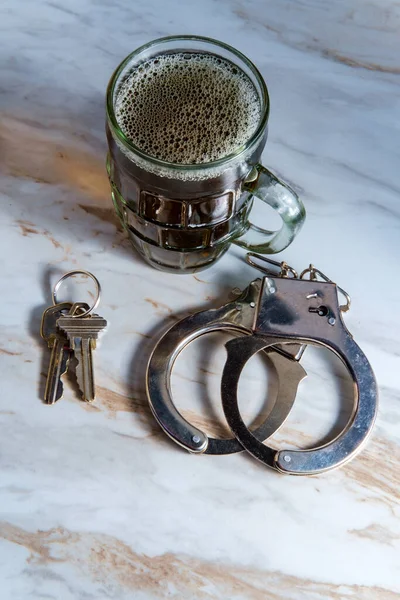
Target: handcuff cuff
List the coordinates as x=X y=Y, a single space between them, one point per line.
x=236 y=317
x=280 y=315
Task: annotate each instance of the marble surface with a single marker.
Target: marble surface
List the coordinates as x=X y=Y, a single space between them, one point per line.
x=96 y=502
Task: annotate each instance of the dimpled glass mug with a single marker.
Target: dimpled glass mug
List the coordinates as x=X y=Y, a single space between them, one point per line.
x=183 y=217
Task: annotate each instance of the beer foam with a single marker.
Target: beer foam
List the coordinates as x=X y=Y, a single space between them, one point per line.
x=187 y=108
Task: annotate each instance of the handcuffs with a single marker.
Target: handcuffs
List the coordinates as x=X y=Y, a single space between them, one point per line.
x=280 y=315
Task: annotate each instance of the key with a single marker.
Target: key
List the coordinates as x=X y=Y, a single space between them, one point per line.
x=82 y=334
x=60 y=351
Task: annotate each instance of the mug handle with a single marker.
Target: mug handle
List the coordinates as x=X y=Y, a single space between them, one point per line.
x=264 y=185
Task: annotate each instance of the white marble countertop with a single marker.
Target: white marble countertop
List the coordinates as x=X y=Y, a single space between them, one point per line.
x=96 y=502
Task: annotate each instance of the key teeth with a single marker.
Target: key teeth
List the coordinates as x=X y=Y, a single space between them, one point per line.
x=79 y=378
x=85 y=366
x=52 y=394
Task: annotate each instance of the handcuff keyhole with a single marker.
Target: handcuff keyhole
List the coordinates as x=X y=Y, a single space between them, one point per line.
x=322 y=311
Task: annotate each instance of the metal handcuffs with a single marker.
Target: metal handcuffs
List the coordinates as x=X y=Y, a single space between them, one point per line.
x=281 y=313
x=236 y=316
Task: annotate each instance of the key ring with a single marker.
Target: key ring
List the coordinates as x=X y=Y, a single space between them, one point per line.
x=71 y=274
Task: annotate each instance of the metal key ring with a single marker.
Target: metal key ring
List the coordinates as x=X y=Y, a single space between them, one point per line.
x=288 y=313
x=71 y=274
x=237 y=317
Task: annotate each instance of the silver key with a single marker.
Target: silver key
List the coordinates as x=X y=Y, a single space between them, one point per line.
x=60 y=351
x=82 y=334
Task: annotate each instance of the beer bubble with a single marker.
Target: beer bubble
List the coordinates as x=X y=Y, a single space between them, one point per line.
x=187 y=108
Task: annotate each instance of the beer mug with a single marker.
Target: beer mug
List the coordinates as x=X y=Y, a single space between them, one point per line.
x=181 y=217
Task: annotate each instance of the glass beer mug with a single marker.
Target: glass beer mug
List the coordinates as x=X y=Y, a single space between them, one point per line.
x=183 y=217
